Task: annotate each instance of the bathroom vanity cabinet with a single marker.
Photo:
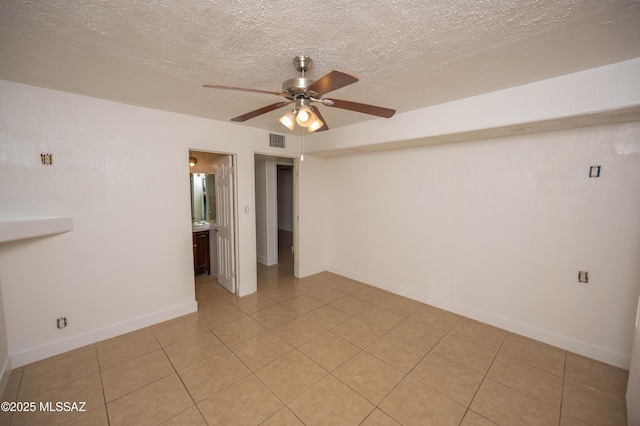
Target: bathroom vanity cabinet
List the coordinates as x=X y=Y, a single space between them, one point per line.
x=201 y=260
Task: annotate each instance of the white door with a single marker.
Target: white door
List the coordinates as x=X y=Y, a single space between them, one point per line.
x=224 y=218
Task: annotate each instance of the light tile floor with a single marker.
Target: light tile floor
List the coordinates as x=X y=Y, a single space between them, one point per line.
x=323 y=350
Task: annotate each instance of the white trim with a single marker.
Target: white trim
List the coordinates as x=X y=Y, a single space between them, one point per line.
x=267 y=261
x=314 y=270
x=38 y=353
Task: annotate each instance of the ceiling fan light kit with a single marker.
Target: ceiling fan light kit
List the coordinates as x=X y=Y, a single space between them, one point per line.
x=302 y=91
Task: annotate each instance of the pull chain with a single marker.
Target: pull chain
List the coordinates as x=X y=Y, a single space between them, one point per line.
x=302 y=151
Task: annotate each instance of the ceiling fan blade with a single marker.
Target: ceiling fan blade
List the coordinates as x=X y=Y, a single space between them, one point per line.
x=332 y=81
x=242 y=89
x=364 y=108
x=316 y=111
x=259 y=111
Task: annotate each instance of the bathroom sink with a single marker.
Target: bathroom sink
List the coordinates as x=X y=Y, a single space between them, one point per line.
x=200 y=226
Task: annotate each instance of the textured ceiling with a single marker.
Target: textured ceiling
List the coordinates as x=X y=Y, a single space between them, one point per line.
x=408 y=54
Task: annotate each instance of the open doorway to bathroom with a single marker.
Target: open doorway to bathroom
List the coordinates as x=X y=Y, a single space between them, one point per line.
x=213 y=216
x=275 y=216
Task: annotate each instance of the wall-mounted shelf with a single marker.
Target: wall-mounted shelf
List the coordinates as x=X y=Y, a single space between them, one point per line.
x=13 y=230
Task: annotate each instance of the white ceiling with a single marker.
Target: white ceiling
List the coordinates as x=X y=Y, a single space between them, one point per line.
x=408 y=54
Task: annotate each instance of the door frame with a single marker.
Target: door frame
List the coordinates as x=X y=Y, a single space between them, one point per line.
x=234 y=190
x=296 y=205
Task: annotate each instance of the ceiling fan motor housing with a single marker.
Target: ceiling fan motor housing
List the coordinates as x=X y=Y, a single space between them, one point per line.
x=296 y=87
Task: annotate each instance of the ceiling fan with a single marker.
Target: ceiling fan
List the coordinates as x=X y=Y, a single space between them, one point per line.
x=303 y=92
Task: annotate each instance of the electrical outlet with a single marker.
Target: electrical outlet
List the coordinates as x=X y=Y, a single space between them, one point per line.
x=594 y=172
x=46 y=158
x=61 y=322
x=583 y=277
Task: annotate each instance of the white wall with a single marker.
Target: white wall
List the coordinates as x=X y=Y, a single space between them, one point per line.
x=313 y=223
x=498 y=229
x=121 y=173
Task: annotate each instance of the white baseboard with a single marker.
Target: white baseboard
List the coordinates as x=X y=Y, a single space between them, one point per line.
x=47 y=350
x=563 y=342
x=312 y=271
x=267 y=261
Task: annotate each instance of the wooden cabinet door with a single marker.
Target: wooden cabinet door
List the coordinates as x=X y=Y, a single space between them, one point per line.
x=201 y=252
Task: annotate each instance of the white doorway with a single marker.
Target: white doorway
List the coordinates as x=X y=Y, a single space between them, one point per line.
x=219 y=212
x=276 y=214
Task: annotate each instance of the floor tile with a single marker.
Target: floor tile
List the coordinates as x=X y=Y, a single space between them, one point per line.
x=358 y=332
x=379 y=418
x=97 y=417
x=473 y=419
x=151 y=404
x=298 y=331
x=274 y=316
x=412 y=403
x=193 y=349
x=465 y=353
x=190 y=417
x=372 y=295
x=567 y=420
x=345 y=285
x=369 y=376
x=253 y=303
x=86 y=389
x=13 y=384
x=123 y=348
x=587 y=372
x=381 y=317
x=246 y=402
x=239 y=330
x=260 y=350
x=331 y=402
x=505 y=406
x=401 y=305
x=173 y=331
x=447 y=377
x=326 y=294
x=207 y=377
x=223 y=314
x=329 y=350
x=134 y=374
x=281 y=294
x=481 y=334
x=327 y=317
x=397 y=352
x=435 y=317
x=419 y=333
x=351 y=305
x=534 y=382
x=290 y=375
x=303 y=304
x=534 y=353
x=235 y=358
x=44 y=376
x=284 y=417
x=593 y=406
